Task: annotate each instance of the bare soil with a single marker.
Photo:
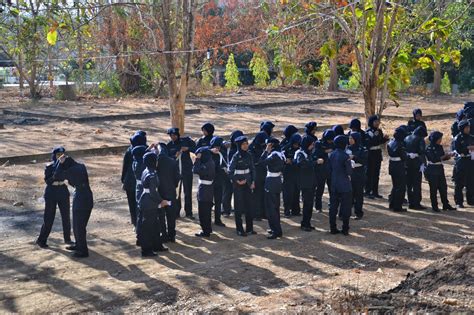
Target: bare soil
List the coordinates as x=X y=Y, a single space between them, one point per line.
x=302 y=272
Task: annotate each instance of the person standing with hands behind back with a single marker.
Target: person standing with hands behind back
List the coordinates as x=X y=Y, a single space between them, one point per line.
x=205 y=168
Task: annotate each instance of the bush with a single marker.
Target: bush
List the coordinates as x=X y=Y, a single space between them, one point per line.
x=446 y=84
x=231 y=74
x=110 y=86
x=354 y=79
x=259 y=69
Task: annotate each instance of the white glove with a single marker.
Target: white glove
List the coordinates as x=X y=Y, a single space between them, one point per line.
x=353 y=163
x=422 y=168
x=412 y=155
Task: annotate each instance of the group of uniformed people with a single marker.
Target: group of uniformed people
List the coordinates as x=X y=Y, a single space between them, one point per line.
x=300 y=166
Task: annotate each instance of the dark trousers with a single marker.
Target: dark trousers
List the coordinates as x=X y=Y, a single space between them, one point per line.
x=414 y=178
x=340 y=203
x=227 y=195
x=321 y=180
x=374 y=164
x=149 y=235
x=243 y=206
x=205 y=213
x=188 y=193
x=358 y=194
x=80 y=218
x=218 y=193
x=470 y=183
x=398 y=186
x=460 y=177
x=259 y=196
x=308 y=198
x=437 y=183
x=272 y=206
x=132 y=205
x=62 y=201
x=291 y=195
x=167 y=219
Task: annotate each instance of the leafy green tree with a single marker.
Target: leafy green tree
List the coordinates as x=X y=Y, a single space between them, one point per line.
x=231 y=74
x=259 y=68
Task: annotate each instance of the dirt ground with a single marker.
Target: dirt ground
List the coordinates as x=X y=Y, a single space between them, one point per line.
x=302 y=272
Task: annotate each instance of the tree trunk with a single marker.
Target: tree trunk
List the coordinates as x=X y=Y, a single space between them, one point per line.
x=333 y=78
x=437 y=71
x=370 y=98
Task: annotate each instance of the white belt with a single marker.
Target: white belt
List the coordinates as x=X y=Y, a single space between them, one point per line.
x=395 y=159
x=358 y=165
x=205 y=182
x=375 y=147
x=242 y=172
x=58 y=183
x=271 y=174
x=139 y=182
x=146 y=190
x=435 y=163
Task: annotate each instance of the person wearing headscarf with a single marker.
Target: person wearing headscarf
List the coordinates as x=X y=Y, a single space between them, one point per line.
x=150 y=203
x=289 y=131
x=341 y=188
x=310 y=130
x=417 y=120
x=291 y=189
x=274 y=161
x=128 y=178
x=221 y=168
x=82 y=203
x=180 y=148
x=304 y=161
x=463 y=145
x=206 y=170
x=397 y=169
x=434 y=172
x=355 y=125
x=358 y=154
x=242 y=172
x=267 y=127
x=375 y=140
x=228 y=150
x=207 y=134
x=55 y=194
x=256 y=148
x=415 y=147
x=322 y=148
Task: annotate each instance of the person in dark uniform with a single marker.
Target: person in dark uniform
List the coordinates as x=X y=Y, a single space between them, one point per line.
x=358 y=154
x=267 y=127
x=180 y=148
x=257 y=147
x=397 y=169
x=434 y=172
x=150 y=202
x=462 y=143
x=221 y=169
x=82 y=203
x=454 y=127
x=55 y=194
x=356 y=126
x=291 y=190
x=138 y=167
x=205 y=168
x=128 y=178
x=322 y=149
x=341 y=187
x=168 y=175
x=207 y=134
x=274 y=161
x=415 y=148
x=230 y=148
x=287 y=133
x=304 y=161
x=242 y=172
x=469 y=111
x=416 y=121
x=375 y=141
x=338 y=130
x=310 y=130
